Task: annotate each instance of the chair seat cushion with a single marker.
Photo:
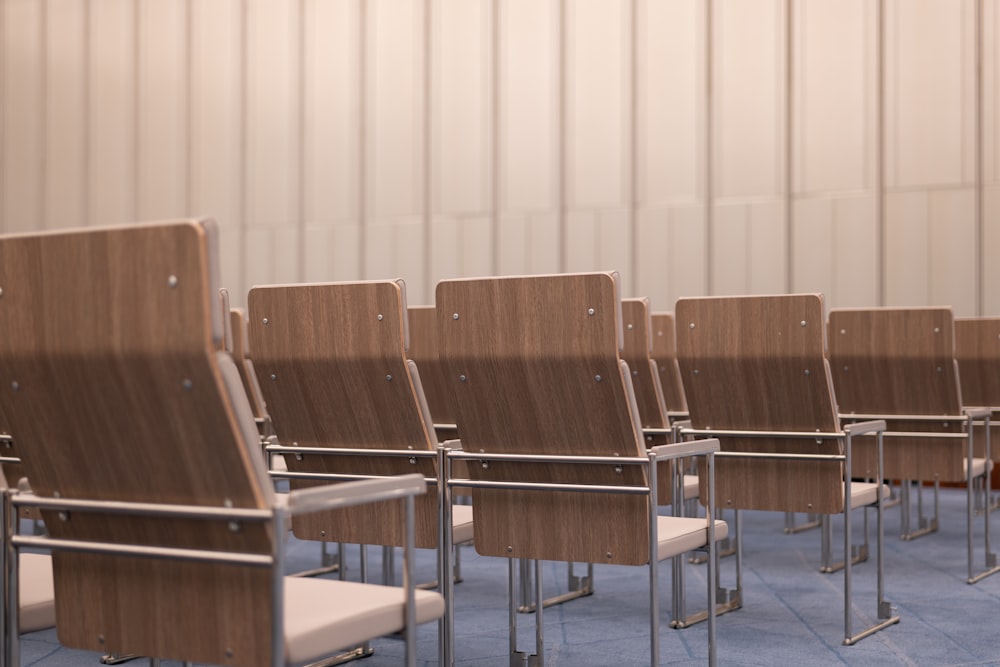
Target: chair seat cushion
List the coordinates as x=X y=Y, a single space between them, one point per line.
x=677 y=535
x=461 y=523
x=978 y=466
x=324 y=616
x=37 y=592
x=863 y=493
x=690 y=487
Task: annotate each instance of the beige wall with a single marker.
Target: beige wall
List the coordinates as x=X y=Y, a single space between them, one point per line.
x=425 y=139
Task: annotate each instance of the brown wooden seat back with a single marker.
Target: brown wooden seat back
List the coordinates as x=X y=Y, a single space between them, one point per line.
x=977 y=350
x=423 y=351
x=331 y=362
x=665 y=355
x=756 y=363
x=900 y=361
x=114 y=386
x=536 y=369
x=241 y=356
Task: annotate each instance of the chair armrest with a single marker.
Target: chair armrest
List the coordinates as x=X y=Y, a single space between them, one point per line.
x=978 y=413
x=335 y=496
x=453 y=445
x=860 y=428
x=688 y=448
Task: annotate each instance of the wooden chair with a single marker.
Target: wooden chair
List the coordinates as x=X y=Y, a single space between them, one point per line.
x=899 y=364
x=756 y=377
x=977 y=351
x=142 y=452
x=550 y=430
x=344 y=399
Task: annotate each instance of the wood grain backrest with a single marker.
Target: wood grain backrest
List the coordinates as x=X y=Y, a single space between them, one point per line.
x=535 y=363
x=890 y=361
x=239 y=336
x=112 y=381
x=757 y=363
x=977 y=351
x=332 y=365
x=424 y=351
x=636 y=351
x=665 y=355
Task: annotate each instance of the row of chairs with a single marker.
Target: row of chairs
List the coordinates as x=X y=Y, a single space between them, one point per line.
x=563 y=438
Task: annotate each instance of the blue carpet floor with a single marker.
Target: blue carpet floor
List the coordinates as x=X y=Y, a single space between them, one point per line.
x=792 y=614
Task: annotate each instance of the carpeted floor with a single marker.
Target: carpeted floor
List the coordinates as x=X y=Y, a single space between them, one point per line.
x=792 y=614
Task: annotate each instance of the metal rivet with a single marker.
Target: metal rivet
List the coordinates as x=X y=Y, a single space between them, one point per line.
x=234 y=526
x=462 y=378
x=618 y=469
x=486 y=465
x=695 y=371
x=845 y=369
x=729 y=501
x=809 y=505
x=56 y=494
x=379 y=317
x=64 y=516
x=937 y=329
x=939 y=369
x=322 y=533
x=608 y=555
x=100 y=639
x=806 y=371
x=691 y=326
x=274 y=376
x=265 y=321
x=591 y=311
x=229 y=652
x=510 y=549
x=187 y=384
x=843 y=331
x=413 y=461
x=1 y=291
x=172 y=281
x=15 y=385
x=802 y=323
x=227 y=502
x=388 y=378
x=597 y=378
x=454 y=316
x=298 y=457
x=630 y=327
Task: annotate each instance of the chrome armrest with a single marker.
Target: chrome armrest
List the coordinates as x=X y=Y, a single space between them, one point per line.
x=313 y=499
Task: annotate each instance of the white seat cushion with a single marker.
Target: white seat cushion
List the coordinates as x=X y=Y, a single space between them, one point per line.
x=461 y=523
x=863 y=493
x=690 y=487
x=324 y=616
x=37 y=593
x=978 y=466
x=677 y=535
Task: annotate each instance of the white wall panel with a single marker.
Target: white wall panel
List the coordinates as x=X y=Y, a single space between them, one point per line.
x=991 y=241
x=952 y=258
x=459 y=247
x=907 y=266
x=855 y=251
x=730 y=240
x=66 y=118
x=833 y=113
x=461 y=127
x=162 y=109
x=112 y=140
x=927 y=101
x=527 y=243
x=813 y=258
x=748 y=90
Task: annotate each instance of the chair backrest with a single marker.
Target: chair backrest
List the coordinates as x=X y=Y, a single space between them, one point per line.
x=757 y=363
x=241 y=356
x=332 y=365
x=535 y=363
x=423 y=351
x=901 y=361
x=665 y=355
x=114 y=386
x=636 y=351
x=977 y=351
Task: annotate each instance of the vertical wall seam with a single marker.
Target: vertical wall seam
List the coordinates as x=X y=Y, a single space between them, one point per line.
x=300 y=66
x=980 y=231
x=495 y=136
x=244 y=206
x=427 y=158
x=136 y=190
x=633 y=148
x=43 y=115
x=789 y=147
x=188 y=111
x=709 y=149
x=362 y=139
x=880 y=152
x=562 y=236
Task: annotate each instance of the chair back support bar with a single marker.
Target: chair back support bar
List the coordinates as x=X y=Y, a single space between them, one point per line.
x=109 y=337
x=901 y=361
x=757 y=364
x=331 y=362
x=536 y=369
